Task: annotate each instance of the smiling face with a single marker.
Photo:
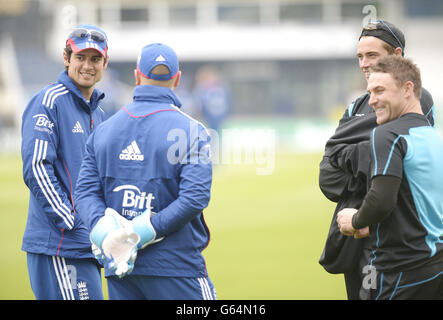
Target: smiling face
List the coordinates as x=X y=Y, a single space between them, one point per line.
x=387 y=99
x=369 y=51
x=85 y=68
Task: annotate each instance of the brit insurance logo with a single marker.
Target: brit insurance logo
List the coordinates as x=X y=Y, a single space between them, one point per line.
x=135 y=201
x=43 y=123
x=132 y=152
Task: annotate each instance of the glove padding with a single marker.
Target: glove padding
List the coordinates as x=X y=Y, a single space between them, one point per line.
x=114 y=244
x=141 y=225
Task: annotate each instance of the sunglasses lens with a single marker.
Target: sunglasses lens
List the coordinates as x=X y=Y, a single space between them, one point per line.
x=79 y=33
x=97 y=36
x=85 y=33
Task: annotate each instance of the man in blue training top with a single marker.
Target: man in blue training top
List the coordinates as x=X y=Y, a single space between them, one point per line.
x=404 y=206
x=144 y=181
x=56 y=124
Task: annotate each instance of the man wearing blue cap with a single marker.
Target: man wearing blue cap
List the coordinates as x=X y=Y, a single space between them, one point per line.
x=144 y=182
x=55 y=125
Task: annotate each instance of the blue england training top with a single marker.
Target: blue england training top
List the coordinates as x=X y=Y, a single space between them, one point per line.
x=55 y=126
x=151 y=154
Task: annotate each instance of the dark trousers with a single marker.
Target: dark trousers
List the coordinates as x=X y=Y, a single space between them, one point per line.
x=353 y=281
x=423 y=283
x=137 y=287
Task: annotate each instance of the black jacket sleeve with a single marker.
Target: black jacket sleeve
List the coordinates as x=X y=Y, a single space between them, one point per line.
x=344 y=172
x=379 y=201
x=345 y=164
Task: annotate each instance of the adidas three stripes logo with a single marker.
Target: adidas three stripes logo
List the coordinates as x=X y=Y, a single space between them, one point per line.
x=132 y=152
x=52 y=93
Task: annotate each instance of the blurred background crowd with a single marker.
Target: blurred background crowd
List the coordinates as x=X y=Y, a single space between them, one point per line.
x=286 y=64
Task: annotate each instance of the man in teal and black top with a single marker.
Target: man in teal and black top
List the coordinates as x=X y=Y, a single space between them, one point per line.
x=403 y=209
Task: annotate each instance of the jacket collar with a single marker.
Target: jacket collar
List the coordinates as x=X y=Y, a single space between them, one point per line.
x=156 y=94
x=96 y=96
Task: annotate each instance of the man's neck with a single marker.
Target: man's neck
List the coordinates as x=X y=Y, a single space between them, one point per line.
x=87 y=93
x=413 y=107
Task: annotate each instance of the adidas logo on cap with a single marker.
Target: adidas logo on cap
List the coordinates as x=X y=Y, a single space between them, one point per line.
x=78 y=128
x=132 y=152
x=160 y=58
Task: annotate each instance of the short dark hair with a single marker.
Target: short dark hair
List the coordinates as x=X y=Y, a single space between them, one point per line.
x=389 y=48
x=401 y=69
x=68 y=53
x=160 y=69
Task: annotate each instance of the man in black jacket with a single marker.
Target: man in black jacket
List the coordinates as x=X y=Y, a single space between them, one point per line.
x=344 y=169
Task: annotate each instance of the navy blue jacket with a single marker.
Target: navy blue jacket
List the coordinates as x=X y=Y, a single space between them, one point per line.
x=55 y=126
x=152 y=155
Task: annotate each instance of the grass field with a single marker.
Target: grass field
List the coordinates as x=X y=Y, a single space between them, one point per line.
x=267 y=232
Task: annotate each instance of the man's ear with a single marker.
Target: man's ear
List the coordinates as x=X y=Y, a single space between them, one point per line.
x=106 y=62
x=65 y=59
x=409 y=89
x=177 y=79
x=398 y=51
x=137 y=77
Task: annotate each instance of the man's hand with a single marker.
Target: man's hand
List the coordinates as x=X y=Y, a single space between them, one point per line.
x=361 y=233
x=344 y=221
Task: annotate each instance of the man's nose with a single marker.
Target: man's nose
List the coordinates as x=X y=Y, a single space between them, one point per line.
x=372 y=100
x=364 y=63
x=88 y=63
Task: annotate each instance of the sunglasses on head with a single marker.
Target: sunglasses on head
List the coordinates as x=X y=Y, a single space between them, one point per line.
x=374 y=26
x=86 y=33
x=370 y=27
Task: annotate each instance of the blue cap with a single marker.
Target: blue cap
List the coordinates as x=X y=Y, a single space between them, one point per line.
x=88 y=36
x=157 y=54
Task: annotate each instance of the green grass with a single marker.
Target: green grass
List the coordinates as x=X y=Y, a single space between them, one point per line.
x=267 y=232
x=13 y=210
